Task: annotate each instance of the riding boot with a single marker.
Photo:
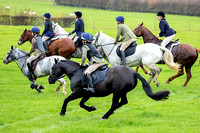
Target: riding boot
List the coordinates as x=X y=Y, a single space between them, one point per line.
x=123 y=60
x=45 y=46
x=89 y=80
x=30 y=70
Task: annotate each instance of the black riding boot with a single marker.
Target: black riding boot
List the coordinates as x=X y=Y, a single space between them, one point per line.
x=123 y=58
x=89 y=80
x=30 y=70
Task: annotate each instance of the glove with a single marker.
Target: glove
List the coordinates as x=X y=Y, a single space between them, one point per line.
x=70 y=33
x=157 y=36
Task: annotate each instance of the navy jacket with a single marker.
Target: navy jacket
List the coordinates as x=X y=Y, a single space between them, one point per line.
x=165 y=30
x=48 y=30
x=79 y=27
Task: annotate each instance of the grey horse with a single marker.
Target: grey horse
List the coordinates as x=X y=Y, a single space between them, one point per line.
x=42 y=69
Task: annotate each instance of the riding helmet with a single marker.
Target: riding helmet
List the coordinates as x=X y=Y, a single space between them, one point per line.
x=87 y=36
x=47 y=15
x=120 y=18
x=36 y=29
x=160 y=13
x=78 y=14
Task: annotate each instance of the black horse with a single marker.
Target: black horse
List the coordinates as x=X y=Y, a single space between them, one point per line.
x=119 y=80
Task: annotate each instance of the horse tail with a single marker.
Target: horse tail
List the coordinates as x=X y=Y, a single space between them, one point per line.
x=147 y=88
x=169 y=59
x=197 y=50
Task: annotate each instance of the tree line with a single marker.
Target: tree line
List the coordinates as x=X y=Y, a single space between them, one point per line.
x=181 y=7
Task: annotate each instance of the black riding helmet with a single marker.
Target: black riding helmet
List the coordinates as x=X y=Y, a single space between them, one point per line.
x=161 y=14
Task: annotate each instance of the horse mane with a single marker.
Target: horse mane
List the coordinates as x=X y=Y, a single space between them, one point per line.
x=71 y=62
x=154 y=37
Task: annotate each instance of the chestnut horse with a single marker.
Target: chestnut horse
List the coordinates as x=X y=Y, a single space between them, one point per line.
x=184 y=54
x=63 y=46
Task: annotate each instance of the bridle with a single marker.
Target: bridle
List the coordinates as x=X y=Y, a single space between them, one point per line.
x=140 y=29
x=21 y=68
x=96 y=40
x=24 y=35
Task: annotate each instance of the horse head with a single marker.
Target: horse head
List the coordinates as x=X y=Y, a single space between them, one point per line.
x=25 y=36
x=138 y=31
x=10 y=56
x=55 y=73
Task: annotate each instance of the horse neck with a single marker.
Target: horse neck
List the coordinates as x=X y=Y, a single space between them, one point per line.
x=30 y=35
x=148 y=36
x=21 y=57
x=109 y=49
x=69 y=68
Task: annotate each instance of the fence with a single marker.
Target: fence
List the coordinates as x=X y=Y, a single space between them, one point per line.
x=33 y=20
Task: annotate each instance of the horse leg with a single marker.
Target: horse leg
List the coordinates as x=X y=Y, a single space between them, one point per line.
x=71 y=97
x=123 y=101
x=82 y=104
x=34 y=85
x=189 y=75
x=180 y=73
x=155 y=73
x=144 y=70
x=64 y=83
x=114 y=106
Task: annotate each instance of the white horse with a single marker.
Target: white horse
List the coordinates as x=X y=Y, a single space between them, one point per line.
x=61 y=33
x=42 y=69
x=147 y=55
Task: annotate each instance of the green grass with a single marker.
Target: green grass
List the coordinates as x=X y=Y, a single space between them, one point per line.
x=24 y=110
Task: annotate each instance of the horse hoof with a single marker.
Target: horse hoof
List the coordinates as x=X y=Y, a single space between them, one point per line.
x=93 y=108
x=62 y=114
x=166 y=82
x=157 y=84
x=39 y=91
x=41 y=87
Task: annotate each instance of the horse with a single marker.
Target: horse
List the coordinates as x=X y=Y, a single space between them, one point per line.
x=63 y=46
x=184 y=54
x=148 y=56
x=43 y=67
x=119 y=81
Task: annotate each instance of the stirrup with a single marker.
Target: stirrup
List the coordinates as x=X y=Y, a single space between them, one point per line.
x=89 y=89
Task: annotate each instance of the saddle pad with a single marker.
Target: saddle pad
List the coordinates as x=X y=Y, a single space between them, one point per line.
x=129 y=51
x=34 y=63
x=97 y=76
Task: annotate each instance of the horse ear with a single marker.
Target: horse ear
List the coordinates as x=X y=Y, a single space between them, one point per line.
x=25 y=30
x=12 y=47
x=56 y=61
x=141 y=24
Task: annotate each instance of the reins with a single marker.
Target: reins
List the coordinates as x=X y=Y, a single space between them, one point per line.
x=104 y=44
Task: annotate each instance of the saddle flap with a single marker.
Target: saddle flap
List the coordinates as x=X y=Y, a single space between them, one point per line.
x=97 y=76
x=34 y=63
x=130 y=50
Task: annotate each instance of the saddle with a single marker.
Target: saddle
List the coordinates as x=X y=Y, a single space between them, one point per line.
x=48 y=42
x=171 y=44
x=97 y=76
x=129 y=51
x=34 y=62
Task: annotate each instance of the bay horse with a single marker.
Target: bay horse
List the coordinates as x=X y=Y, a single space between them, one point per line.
x=42 y=69
x=184 y=54
x=63 y=46
x=147 y=55
x=119 y=81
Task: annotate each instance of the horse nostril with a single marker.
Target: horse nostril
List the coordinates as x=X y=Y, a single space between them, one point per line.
x=4 y=61
x=19 y=42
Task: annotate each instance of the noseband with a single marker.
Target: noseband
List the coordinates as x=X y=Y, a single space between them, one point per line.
x=140 y=29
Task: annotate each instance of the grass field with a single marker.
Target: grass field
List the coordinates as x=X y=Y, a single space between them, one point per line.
x=24 y=110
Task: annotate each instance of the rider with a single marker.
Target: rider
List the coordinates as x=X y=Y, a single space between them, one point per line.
x=37 y=47
x=127 y=37
x=79 y=27
x=165 y=30
x=96 y=60
x=48 y=30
